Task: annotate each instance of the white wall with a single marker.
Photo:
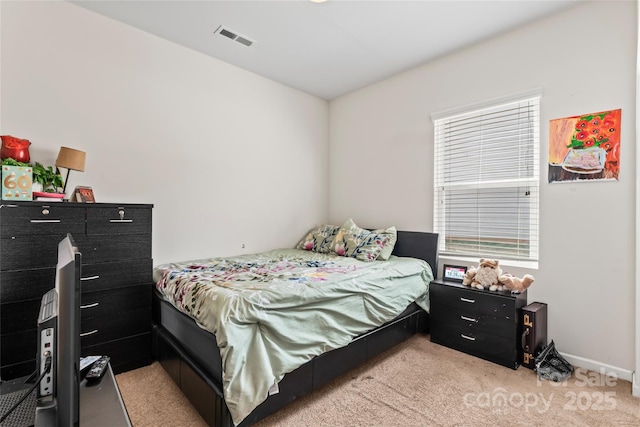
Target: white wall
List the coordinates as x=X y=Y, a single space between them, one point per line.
x=227 y=157
x=584 y=59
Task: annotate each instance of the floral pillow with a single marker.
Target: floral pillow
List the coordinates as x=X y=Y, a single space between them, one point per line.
x=353 y=241
x=319 y=239
x=388 y=248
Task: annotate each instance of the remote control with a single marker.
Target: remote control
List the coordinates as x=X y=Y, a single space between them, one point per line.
x=98 y=369
x=87 y=361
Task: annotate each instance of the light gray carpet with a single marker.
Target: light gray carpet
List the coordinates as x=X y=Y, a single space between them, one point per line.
x=417 y=383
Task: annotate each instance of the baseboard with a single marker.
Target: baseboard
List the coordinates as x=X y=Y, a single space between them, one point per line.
x=635 y=387
x=592 y=365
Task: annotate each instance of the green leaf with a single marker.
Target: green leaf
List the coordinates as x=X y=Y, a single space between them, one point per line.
x=13 y=162
x=46 y=176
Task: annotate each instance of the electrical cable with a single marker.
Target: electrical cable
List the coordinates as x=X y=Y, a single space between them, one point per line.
x=47 y=368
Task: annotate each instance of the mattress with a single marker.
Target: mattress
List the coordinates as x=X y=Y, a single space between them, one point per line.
x=272 y=312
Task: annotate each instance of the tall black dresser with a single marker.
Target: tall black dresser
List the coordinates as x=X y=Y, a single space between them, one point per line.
x=117 y=265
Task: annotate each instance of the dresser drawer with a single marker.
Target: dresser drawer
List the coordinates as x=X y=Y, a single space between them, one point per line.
x=18 y=347
x=115 y=248
x=127 y=353
x=119 y=274
x=108 y=328
x=19 y=316
x=113 y=302
x=20 y=285
x=475 y=301
x=118 y=220
x=41 y=219
x=443 y=316
x=18 y=252
x=21 y=369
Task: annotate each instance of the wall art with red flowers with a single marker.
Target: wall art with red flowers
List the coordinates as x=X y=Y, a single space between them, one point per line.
x=585 y=147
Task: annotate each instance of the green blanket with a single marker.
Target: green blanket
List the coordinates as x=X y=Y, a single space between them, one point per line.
x=272 y=312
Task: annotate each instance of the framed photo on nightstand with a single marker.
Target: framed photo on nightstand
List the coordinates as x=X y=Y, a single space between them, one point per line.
x=453 y=273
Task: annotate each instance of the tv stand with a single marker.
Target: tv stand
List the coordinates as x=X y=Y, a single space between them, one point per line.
x=100 y=405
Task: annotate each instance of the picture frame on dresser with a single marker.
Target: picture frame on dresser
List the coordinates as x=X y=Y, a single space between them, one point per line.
x=82 y=194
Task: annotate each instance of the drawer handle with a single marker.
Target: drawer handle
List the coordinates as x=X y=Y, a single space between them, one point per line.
x=95 y=304
x=44 y=221
x=90 y=278
x=86 y=334
x=120 y=220
x=472 y=301
x=467 y=337
x=469 y=319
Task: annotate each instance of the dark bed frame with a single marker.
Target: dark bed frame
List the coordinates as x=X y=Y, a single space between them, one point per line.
x=191 y=356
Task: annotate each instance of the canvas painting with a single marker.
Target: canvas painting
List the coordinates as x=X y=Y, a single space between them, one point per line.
x=585 y=147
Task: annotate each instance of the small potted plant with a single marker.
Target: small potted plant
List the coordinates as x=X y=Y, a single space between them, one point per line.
x=47 y=177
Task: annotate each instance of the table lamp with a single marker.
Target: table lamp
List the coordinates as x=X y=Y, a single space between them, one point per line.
x=70 y=159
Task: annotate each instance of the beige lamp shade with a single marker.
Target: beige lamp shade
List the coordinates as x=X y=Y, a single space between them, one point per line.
x=69 y=158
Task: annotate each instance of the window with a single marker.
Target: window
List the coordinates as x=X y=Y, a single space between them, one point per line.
x=487 y=179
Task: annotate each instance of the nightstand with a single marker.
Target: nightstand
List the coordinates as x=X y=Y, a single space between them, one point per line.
x=479 y=322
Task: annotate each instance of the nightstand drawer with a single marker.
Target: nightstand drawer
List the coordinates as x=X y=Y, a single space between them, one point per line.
x=119 y=274
x=463 y=320
x=118 y=220
x=481 y=344
x=41 y=219
x=474 y=301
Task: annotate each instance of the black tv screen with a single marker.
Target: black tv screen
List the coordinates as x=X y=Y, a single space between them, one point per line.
x=59 y=342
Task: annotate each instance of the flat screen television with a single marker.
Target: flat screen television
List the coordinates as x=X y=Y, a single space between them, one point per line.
x=58 y=396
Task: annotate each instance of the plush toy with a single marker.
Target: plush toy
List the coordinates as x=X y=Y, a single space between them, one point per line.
x=484 y=276
x=516 y=284
x=469 y=275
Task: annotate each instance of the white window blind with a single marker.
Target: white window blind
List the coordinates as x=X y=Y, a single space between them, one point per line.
x=487 y=180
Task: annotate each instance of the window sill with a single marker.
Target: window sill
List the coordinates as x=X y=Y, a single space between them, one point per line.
x=531 y=265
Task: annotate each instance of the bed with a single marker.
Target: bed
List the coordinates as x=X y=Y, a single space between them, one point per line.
x=232 y=355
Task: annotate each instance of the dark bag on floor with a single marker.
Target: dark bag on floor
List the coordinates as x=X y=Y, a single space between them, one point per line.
x=550 y=365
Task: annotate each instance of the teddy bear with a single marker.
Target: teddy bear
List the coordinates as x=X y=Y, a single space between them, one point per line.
x=484 y=276
x=516 y=284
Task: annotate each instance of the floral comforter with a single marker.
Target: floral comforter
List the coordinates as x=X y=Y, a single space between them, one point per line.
x=272 y=312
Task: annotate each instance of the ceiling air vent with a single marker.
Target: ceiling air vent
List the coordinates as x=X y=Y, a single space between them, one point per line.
x=233 y=35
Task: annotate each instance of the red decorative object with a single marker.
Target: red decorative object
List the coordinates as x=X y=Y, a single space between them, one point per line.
x=50 y=195
x=16 y=148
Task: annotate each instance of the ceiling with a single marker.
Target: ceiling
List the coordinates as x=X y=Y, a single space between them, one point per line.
x=332 y=48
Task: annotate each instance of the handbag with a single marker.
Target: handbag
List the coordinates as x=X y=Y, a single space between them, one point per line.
x=550 y=365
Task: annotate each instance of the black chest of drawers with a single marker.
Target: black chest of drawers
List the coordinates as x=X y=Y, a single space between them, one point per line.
x=482 y=323
x=117 y=268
